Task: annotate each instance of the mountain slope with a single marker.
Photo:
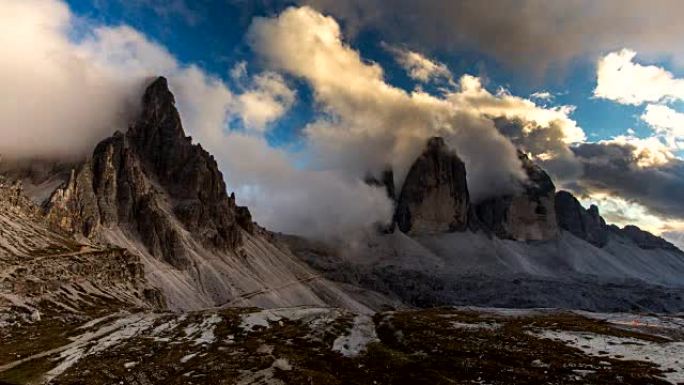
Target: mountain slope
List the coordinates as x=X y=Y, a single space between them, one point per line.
x=43 y=271
x=152 y=191
x=538 y=248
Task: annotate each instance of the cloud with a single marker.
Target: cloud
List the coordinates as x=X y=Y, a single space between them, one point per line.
x=622 y=80
x=367 y=124
x=621 y=212
x=54 y=100
x=419 y=67
x=315 y=203
x=542 y=95
x=635 y=170
x=265 y=101
x=667 y=123
x=533 y=35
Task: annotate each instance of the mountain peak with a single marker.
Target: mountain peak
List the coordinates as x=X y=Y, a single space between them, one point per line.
x=436 y=143
x=158 y=90
x=435 y=196
x=153 y=178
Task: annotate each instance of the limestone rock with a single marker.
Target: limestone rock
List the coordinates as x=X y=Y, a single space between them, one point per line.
x=434 y=197
x=154 y=183
x=584 y=224
x=526 y=216
x=643 y=239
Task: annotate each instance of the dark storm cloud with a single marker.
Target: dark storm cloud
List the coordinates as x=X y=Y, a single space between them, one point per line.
x=613 y=168
x=529 y=34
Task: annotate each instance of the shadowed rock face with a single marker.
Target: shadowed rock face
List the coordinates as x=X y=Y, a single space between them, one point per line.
x=643 y=239
x=434 y=197
x=584 y=224
x=591 y=227
x=529 y=215
x=152 y=182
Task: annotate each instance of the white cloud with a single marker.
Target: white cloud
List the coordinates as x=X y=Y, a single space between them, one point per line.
x=266 y=101
x=542 y=95
x=368 y=124
x=419 y=67
x=622 y=80
x=54 y=100
x=667 y=123
x=648 y=152
x=503 y=104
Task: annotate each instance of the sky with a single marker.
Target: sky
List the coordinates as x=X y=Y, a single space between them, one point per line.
x=299 y=100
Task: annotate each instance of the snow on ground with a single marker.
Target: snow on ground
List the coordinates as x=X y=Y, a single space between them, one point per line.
x=100 y=340
x=669 y=356
x=262 y=318
x=203 y=333
x=475 y=325
x=361 y=334
x=641 y=321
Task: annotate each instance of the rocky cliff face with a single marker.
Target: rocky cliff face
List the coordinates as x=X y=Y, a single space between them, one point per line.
x=587 y=224
x=529 y=215
x=154 y=183
x=643 y=239
x=152 y=191
x=434 y=197
x=584 y=224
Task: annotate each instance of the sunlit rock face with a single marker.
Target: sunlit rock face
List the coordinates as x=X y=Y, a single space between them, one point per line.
x=434 y=197
x=152 y=181
x=527 y=216
x=584 y=224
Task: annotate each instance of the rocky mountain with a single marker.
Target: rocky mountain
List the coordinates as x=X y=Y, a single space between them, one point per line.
x=534 y=248
x=434 y=197
x=154 y=193
x=583 y=223
x=528 y=215
x=135 y=266
x=42 y=270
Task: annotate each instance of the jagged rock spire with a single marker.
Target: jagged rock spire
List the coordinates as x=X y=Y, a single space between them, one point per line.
x=151 y=178
x=435 y=196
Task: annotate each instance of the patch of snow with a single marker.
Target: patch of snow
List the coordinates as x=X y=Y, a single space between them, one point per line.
x=204 y=329
x=282 y=364
x=262 y=318
x=476 y=325
x=187 y=358
x=669 y=356
x=94 y=342
x=361 y=334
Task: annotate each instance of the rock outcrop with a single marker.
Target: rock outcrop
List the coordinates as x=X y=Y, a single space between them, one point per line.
x=153 y=192
x=587 y=224
x=643 y=239
x=527 y=216
x=584 y=224
x=434 y=197
x=155 y=183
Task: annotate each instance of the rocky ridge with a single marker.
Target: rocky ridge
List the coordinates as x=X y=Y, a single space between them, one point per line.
x=153 y=192
x=434 y=199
